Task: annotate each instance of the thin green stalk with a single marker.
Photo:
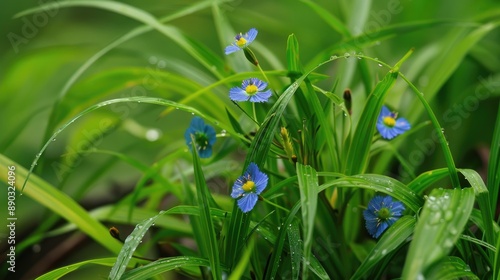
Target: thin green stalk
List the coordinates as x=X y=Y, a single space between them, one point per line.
x=442 y=139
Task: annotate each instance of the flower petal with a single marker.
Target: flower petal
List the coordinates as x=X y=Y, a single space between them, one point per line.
x=231 y=49
x=261 y=96
x=238 y=94
x=251 y=35
x=247 y=202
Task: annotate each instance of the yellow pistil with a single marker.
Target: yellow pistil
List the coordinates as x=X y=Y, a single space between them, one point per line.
x=248 y=186
x=241 y=42
x=389 y=121
x=251 y=89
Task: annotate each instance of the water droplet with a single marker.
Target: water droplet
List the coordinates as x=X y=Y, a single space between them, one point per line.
x=333 y=57
x=347 y=55
x=223 y=132
x=379 y=65
x=53 y=140
x=153 y=134
x=192 y=113
x=176 y=108
x=384 y=252
x=448 y=215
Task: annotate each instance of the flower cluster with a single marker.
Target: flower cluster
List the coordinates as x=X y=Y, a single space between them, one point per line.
x=381 y=213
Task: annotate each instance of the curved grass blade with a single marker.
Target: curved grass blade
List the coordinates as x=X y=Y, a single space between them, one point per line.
x=160 y=266
x=212 y=62
x=148 y=100
x=61 y=204
x=442 y=139
x=381 y=184
x=308 y=186
x=357 y=156
x=62 y=271
x=130 y=245
x=426 y=179
x=394 y=237
x=441 y=222
x=450 y=268
x=483 y=199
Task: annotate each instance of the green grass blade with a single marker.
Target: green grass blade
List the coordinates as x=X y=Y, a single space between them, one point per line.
x=426 y=179
x=293 y=55
x=483 y=199
x=209 y=246
x=496 y=263
x=130 y=245
x=296 y=250
x=201 y=53
x=393 y=238
x=494 y=165
x=274 y=261
x=148 y=100
x=62 y=271
x=59 y=203
x=329 y=18
x=441 y=222
x=358 y=152
x=450 y=268
x=163 y=265
x=440 y=134
x=379 y=183
x=308 y=186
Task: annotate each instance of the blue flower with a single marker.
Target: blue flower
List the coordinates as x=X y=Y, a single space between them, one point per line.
x=381 y=213
x=248 y=187
x=241 y=41
x=253 y=90
x=204 y=137
x=389 y=125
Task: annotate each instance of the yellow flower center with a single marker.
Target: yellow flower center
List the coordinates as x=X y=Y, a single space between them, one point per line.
x=248 y=186
x=389 y=121
x=251 y=89
x=241 y=42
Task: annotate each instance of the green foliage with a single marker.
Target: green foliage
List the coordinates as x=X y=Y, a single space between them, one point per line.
x=94 y=123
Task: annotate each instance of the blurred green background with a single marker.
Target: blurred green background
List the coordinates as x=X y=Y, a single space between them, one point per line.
x=41 y=51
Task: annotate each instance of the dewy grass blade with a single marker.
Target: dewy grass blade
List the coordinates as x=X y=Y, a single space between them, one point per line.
x=483 y=199
x=61 y=204
x=209 y=247
x=129 y=247
x=358 y=152
x=440 y=224
x=442 y=139
x=152 y=269
x=308 y=186
x=148 y=100
x=394 y=237
x=451 y=268
x=62 y=271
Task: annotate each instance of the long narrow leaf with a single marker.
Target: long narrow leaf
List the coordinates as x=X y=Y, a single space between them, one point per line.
x=308 y=186
x=441 y=222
